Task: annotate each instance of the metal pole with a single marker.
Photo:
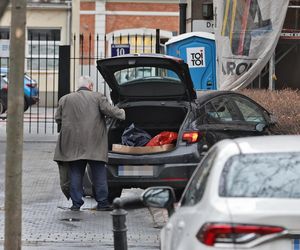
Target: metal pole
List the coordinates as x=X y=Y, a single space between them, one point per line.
x=14 y=128
x=272 y=72
x=69 y=23
x=119 y=225
x=157 y=44
x=259 y=80
x=64 y=70
x=182 y=17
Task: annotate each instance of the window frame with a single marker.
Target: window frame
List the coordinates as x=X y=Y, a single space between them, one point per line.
x=55 y=43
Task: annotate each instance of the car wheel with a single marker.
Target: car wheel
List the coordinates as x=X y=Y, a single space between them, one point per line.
x=178 y=194
x=26 y=106
x=114 y=193
x=2 y=107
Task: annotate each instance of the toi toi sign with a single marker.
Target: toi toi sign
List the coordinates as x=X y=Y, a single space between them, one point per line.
x=196 y=57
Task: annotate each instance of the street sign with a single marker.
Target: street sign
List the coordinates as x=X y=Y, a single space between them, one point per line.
x=120 y=49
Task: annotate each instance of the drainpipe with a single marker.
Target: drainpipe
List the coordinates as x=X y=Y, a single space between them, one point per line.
x=182 y=16
x=69 y=23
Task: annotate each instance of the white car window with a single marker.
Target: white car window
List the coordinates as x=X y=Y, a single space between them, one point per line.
x=196 y=186
x=272 y=175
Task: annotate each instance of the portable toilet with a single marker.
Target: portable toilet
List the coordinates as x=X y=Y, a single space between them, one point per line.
x=198 y=50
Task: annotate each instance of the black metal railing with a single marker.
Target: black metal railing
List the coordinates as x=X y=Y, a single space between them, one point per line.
x=42 y=65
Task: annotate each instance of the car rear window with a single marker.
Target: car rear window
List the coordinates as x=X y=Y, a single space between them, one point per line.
x=139 y=74
x=270 y=175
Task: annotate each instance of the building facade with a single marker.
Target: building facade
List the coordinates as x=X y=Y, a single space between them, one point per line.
x=50 y=23
x=119 y=21
x=91 y=28
x=110 y=27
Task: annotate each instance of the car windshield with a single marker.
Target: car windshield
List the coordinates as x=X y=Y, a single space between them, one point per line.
x=268 y=175
x=140 y=74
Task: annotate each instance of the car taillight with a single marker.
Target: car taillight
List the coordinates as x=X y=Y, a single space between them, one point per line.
x=5 y=86
x=212 y=233
x=191 y=136
x=31 y=85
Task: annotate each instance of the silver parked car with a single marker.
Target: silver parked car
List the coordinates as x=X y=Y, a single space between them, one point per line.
x=245 y=194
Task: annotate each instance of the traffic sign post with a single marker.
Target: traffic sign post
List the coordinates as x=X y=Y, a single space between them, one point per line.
x=120 y=49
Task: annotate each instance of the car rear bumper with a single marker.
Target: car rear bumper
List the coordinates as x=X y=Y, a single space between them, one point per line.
x=32 y=100
x=174 y=175
x=172 y=168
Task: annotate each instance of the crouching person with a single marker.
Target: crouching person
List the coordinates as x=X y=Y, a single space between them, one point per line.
x=83 y=139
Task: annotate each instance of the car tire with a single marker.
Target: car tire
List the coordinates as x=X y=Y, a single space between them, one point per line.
x=2 y=106
x=26 y=106
x=114 y=193
x=3 y=101
x=178 y=194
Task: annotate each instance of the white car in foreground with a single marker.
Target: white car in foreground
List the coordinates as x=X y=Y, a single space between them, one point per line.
x=245 y=194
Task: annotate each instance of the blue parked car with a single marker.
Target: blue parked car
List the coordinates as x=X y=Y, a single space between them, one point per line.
x=30 y=90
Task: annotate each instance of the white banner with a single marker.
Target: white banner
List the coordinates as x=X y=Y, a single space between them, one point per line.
x=247 y=32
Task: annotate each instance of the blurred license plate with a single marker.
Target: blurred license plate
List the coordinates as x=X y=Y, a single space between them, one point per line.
x=135 y=170
x=296 y=244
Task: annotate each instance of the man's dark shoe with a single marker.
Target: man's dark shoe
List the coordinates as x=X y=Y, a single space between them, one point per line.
x=104 y=208
x=74 y=208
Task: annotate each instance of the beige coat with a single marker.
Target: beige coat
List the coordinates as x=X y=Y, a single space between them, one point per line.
x=83 y=132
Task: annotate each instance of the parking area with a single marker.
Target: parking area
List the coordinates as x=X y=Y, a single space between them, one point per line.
x=48 y=224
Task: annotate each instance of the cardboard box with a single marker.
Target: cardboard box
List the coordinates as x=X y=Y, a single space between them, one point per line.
x=141 y=150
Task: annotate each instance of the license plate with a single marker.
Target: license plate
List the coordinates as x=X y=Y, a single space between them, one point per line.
x=296 y=244
x=135 y=170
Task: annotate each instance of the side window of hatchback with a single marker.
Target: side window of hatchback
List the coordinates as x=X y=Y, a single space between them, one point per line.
x=251 y=112
x=221 y=110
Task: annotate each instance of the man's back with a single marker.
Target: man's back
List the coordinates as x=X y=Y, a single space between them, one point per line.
x=83 y=128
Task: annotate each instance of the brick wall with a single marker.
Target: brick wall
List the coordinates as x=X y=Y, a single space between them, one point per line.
x=142 y=7
x=152 y=22
x=164 y=22
x=166 y=17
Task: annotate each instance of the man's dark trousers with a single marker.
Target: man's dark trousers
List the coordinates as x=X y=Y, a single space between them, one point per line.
x=99 y=179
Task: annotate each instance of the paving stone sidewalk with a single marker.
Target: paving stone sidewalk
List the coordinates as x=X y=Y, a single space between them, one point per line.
x=47 y=227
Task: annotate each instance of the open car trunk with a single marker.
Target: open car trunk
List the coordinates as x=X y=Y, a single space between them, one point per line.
x=151 y=118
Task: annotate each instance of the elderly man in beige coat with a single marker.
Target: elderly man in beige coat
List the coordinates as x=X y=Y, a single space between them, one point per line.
x=83 y=139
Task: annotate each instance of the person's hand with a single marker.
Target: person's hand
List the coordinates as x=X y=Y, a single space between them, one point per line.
x=123 y=114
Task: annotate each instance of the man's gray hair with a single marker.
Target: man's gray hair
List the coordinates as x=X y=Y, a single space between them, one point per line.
x=84 y=81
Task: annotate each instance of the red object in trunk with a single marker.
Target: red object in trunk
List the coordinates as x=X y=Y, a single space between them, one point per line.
x=165 y=137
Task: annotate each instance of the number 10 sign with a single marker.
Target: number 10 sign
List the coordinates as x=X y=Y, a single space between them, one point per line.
x=120 y=49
